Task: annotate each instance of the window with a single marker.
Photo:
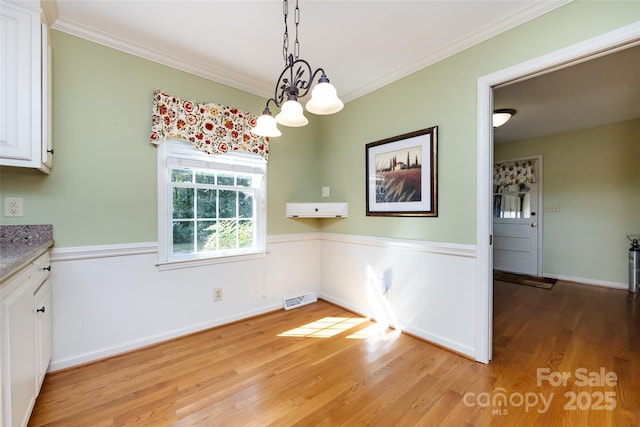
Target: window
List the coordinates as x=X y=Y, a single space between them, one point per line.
x=210 y=207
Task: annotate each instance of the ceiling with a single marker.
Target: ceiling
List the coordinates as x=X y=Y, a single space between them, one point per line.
x=362 y=45
x=596 y=92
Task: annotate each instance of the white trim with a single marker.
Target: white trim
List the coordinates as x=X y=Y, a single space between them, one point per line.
x=177 y=153
x=468 y=251
x=588 y=282
x=579 y=51
x=250 y=85
x=484 y=227
x=189 y=263
x=102 y=251
x=274 y=239
x=421 y=333
x=207 y=71
x=126 y=249
x=492 y=30
x=136 y=344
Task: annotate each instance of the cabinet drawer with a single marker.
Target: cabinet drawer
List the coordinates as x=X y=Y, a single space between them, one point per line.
x=40 y=269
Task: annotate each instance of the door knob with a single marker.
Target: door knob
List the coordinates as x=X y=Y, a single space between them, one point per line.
x=534 y=225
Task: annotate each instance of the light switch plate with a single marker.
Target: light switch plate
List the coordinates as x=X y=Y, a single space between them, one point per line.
x=325 y=191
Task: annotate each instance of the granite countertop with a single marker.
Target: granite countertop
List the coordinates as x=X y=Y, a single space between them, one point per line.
x=21 y=244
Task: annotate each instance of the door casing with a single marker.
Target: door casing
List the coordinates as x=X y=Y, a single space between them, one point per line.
x=618 y=39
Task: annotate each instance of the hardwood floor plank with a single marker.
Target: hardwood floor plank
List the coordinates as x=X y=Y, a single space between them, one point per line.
x=264 y=371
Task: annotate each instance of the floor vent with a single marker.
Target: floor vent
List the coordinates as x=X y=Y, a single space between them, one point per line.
x=299 y=300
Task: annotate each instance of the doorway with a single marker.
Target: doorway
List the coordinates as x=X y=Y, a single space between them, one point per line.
x=517 y=219
x=609 y=42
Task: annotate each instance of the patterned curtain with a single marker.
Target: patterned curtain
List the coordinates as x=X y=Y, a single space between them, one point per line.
x=508 y=173
x=211 y=128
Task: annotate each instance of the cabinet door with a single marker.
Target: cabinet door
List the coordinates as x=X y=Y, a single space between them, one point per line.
x=20 y=80
x=18 y=356
x=42 y=301
x=47 y=131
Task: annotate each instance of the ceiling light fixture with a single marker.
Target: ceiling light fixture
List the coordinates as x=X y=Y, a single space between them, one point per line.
x=294 y=82
x=502 y=116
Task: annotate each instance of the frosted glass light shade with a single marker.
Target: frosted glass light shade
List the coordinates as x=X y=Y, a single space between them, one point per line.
x=266 y=126
x=324 y=100
x=291 y=114
x=501 y=117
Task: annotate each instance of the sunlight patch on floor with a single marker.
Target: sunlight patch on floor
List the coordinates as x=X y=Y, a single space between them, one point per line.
x=377 y=331
x=324 y=328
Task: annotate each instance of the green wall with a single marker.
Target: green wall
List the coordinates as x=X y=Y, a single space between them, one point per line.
x=593 y=175
x=445 y=94
x=102 y=189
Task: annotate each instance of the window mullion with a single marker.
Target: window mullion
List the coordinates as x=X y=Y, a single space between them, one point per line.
x=195 y=220
x=217 y=218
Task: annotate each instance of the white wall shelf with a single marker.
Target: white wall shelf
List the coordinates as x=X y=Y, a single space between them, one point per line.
x=317 y=210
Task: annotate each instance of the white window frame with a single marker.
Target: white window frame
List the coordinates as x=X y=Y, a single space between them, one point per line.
x=174 y=152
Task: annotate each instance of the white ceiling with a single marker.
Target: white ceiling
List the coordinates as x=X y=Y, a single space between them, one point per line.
x=596 y=92
x=362 y=45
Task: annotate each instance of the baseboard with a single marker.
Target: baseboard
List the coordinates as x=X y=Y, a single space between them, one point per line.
x=590 y=282
x=94 y=356
x=439 y=341
x=343 y=304
x=426 y=336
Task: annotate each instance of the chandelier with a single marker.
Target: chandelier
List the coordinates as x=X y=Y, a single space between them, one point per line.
x=294 y=83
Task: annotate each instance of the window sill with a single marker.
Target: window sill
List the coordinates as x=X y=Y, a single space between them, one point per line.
x=200 y=262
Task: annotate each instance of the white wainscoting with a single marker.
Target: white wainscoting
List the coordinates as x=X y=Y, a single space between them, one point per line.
x=432 y=285
x=111 y=299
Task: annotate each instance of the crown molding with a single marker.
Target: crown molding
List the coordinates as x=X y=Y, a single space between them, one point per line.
x=489 y=31
x=208 y=72
x=247 y=84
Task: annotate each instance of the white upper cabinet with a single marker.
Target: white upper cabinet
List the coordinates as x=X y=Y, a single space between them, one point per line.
x=25 y=87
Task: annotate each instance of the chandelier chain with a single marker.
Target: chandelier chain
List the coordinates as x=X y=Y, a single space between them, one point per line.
x=285 y=41
x=296 y=45
x=294 y=83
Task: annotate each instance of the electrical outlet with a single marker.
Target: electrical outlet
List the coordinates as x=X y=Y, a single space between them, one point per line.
x=13 y=207
x=325 y=191
x=217 y=294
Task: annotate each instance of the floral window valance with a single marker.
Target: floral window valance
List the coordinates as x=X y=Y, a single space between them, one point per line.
x=520 y=172
x=211 y=128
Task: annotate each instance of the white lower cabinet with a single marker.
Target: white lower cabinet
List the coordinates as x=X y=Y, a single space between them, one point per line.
x=25 y=342
x=42 y=299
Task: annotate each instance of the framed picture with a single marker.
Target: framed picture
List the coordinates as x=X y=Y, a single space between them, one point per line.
x=402 y=175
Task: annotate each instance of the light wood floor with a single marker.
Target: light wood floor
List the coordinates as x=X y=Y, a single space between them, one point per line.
x=252 y=374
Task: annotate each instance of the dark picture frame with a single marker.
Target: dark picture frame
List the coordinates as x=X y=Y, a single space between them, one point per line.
x=402 y=175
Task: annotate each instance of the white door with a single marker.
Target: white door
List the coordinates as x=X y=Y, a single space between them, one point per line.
x=516 y=217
